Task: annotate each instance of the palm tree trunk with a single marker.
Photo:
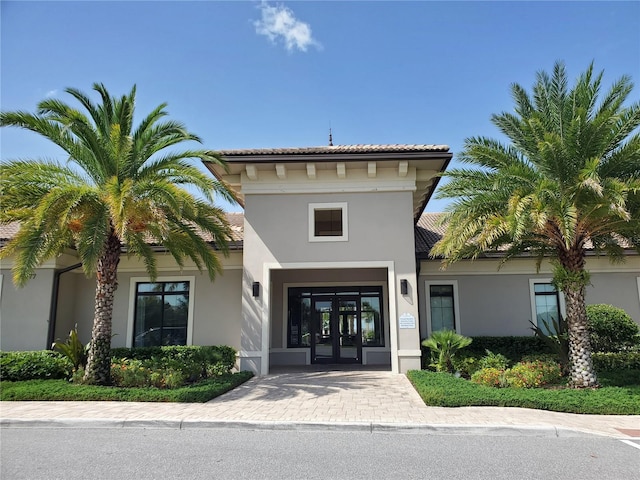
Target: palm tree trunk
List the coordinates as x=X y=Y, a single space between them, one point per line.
x=98 y=369
x=573 y=284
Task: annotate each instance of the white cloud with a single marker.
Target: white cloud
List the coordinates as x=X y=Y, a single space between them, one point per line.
x=279 y=22
x=51 y=93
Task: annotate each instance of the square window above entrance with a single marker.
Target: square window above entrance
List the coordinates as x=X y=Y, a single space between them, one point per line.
x=328 y=222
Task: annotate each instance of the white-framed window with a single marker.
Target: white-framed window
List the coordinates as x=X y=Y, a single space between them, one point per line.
x=547 y=303
x=328 y=222
x=161 y=311
x=443 y=305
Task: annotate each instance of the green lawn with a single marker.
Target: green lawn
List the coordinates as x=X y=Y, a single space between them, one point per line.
x=619 y=394
x=64 y=390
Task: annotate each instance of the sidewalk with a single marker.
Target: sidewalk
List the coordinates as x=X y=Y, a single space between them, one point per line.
x=336 y=400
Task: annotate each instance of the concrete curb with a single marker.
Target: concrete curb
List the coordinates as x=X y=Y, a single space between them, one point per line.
x=371 y=427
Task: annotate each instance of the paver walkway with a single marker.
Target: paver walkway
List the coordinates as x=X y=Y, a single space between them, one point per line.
x=361 y=399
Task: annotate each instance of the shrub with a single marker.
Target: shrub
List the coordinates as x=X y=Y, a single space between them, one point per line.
x=73 y=349
x=130 y=373
x=533 y=374
x=171 y=366
x=494 y=360
x=443 y=345
x=556 y=337
x=32 y=365
x=611 y=328
x=466 y=364
x=490 y=376
x=203 y=361
x=513 y=347
x=608 y=361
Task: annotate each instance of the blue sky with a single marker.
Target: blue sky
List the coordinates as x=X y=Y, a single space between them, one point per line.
x=244 y=74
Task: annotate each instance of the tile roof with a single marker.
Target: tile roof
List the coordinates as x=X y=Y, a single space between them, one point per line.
x=8 y=231
x=337 y=149
x=427 y=233
x=235 y=219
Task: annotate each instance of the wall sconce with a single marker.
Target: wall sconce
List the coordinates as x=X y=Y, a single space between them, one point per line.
x=404 y=287
x=256 y=289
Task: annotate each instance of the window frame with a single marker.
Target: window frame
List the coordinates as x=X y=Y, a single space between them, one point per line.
x=456 y=303
x=532 y=298
x=165 y=279
x=337 y=290
x=313 y=207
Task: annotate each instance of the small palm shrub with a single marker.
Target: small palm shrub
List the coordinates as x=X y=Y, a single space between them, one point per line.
x=533 y=374
x=611 y=328
x=444 y=344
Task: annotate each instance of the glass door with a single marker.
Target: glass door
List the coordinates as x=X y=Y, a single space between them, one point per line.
x=336 y=330
x=322 y=331
x=349 y=341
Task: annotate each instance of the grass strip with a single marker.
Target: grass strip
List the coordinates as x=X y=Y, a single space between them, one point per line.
x=50 y=390
x=445 y=390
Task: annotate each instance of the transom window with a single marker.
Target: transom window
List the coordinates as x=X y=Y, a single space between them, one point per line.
x=161 y=313
x=328 y=222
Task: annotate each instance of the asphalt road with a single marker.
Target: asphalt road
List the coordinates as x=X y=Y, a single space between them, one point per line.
x=132 y=453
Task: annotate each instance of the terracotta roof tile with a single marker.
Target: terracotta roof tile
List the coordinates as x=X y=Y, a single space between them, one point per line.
x=235 y=219
x=337 y=149
x=9 y=230
x=427 y=233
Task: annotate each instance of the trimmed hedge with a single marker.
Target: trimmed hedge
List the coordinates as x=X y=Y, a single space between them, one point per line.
x=47 y=364
x=612 y=329
x=221 y=358
x=32 y=365
x=514 y=348
x=607 y=361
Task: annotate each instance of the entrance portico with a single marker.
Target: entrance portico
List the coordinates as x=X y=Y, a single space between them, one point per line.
x=328 y=254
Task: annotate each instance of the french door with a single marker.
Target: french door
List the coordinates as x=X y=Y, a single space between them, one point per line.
x=335 y=329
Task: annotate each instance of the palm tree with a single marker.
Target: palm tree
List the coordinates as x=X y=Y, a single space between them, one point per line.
x=568 y=180
x=122 y=189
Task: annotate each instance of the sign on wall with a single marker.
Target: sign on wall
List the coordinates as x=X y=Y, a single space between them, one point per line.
x=407 y=320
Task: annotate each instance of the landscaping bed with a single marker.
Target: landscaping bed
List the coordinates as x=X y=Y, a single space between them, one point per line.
x=618 y=395
x=61 y=389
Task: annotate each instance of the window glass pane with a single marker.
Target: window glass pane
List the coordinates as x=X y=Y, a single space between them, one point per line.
x=176 y=287
x=442 y=307
x=148 y=320
x=544 y=287
x=328 y=223
x=371 y=322
x=161 y=318
x=547 y=306
x=149 y=287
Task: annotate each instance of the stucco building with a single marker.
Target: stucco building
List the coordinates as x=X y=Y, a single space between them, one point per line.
x=329 y=264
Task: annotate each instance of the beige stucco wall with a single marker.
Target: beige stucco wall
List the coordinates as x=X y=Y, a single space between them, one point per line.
x=24 y=312
x=380 y=229
x=498 y=302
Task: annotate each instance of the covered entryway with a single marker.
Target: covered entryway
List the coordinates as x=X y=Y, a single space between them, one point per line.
x=341 y=320
x=330 y=317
